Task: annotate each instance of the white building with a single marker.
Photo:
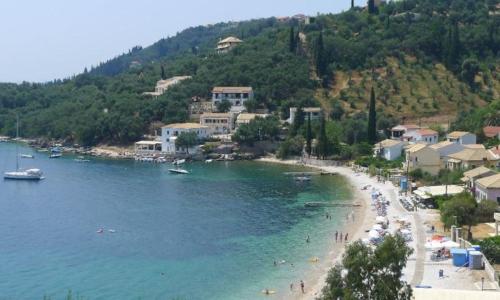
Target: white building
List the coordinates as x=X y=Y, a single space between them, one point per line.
x=461 y=137
x=389 y=149
x=246 y=118
x=313 y=112
x=237 y=96
x=428 y=136
x=227 y=44
x=404 y=132
x=148 y=147
x=219 y=123
x=446 y=148
x=170 y=133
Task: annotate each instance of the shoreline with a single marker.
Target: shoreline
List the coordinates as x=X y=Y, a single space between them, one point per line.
x=356 y=232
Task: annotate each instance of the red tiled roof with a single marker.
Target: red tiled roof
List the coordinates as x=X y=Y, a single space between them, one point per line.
x=427 y=132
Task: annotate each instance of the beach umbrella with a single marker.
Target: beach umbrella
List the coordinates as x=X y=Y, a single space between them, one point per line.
x=373 y=234
x=377 y=227
x=433 y=245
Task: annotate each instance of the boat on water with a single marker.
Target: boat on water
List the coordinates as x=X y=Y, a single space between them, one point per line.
x=178 y=171
x=27 y=156
x=209 y=161
x=178 y=162
x=18 y=174
x=30 y=174
x=82 y=159
x=55 y=155
x=302 y=178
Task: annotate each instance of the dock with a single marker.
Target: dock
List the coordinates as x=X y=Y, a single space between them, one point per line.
x=331 y=204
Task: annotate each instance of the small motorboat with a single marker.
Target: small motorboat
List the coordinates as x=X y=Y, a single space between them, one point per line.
x=111 y=230
x=81 y=159
x=178 y=171
x=302 y=178
x=55 y=155
x=27 y=156
x=100 y=230
x=178 y=162
x=209 y=161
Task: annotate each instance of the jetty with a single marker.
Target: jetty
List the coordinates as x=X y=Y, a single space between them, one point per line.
x=331 y=204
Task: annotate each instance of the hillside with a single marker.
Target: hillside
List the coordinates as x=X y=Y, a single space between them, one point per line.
x=426 y=59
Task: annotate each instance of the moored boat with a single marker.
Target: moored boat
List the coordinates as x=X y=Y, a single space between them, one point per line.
x=30 y=174
x=27 y=156
x=178 y=171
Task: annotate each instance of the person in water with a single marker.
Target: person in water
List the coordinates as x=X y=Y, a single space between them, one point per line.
x=275 y=264
x=302 y=286
x=336 y=236
x=291 y=286
x=308 y=239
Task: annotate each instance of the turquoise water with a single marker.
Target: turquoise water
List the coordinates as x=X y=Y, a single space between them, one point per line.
x=213 y=234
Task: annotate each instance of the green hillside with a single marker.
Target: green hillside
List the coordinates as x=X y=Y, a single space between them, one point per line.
x=425 y=59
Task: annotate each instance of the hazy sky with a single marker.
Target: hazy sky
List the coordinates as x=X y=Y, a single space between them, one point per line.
x=46 y=39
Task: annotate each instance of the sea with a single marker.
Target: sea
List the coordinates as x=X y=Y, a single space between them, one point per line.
x=215 y=233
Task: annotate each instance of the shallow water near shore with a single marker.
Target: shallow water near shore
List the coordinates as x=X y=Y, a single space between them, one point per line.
x=212 y=234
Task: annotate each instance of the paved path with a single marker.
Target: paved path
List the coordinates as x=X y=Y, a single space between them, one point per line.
x=418 y=275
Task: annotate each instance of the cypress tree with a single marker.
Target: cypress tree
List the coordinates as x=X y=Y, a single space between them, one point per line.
x=322 y=140
x=352 y=4
x=320 y=56
x=292 y=42
x=298 y=120
x=452 y=48
x=371 y=7
x=163 y=77
x=309 y=136
x=372 y=120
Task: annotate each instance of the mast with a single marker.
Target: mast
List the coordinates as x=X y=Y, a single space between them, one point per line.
x=17 y=142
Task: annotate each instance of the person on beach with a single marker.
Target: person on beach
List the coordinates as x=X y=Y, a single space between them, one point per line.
x=302 y=286
x=341 y=237
x=291 y=286
x=346 y=237
x=336 y=236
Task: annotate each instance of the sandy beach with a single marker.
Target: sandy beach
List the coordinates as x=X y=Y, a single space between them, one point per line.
x=365 y=219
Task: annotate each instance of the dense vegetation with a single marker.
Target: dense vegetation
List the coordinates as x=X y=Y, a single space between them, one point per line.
x=422 y=58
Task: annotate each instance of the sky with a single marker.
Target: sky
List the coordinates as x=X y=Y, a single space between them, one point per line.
x=42 y=40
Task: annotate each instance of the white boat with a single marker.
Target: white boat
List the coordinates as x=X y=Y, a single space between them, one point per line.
x=178 y=162
x=27 y=156
x=30 y=174
x=178 y=171
x=81 y=159
x=55 y=155
x=209 y=161
x=303 y=178
x=18 y=174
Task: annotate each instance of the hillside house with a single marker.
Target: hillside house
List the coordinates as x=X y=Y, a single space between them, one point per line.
x=461 y=137
x=170 y=133
x=488 y=188
x=227 y=44
x=471 y=158
x=388 y=149
x=492 y=132
x=471 y=176
x=421 y=156
x=446 y=148
x=237 y=96
x=404 y=132
x=428 y=136
x=163 y=85
x=313 y=112
x=219 y=123
x=246 y=118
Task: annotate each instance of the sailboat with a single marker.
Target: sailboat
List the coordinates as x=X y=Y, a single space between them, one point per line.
x=18 y=174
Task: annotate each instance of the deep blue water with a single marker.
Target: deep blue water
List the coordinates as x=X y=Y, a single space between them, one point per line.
x=213 y=234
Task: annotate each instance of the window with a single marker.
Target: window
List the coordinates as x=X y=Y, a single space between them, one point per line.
x=245 y=95
x=498 y=200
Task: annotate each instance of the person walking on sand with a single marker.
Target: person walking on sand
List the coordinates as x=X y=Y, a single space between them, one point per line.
x=336 y=236
x=302 y=286
x=341 y=237
x=291 y=286
x=346 y=237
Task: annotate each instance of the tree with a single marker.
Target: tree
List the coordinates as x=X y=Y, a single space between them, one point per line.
x=470 y=68
x=163 y=76
x=224 y=106
x=298 y=120
x=372 y=120
x=259 y=129
x=371 y=7
x=187 y=140
x=320 y=57
x=352 y=4
x=322 y=140
x=459 y=210
x=292 y=41
x=370 y=274
x=453 y=48
x=309 y=136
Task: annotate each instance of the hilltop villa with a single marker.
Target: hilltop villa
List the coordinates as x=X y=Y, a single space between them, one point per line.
x=227 y=44
x=163 y=85
x=488 y=188
x=237 y=96
x=170 y=133
x=421 y=156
